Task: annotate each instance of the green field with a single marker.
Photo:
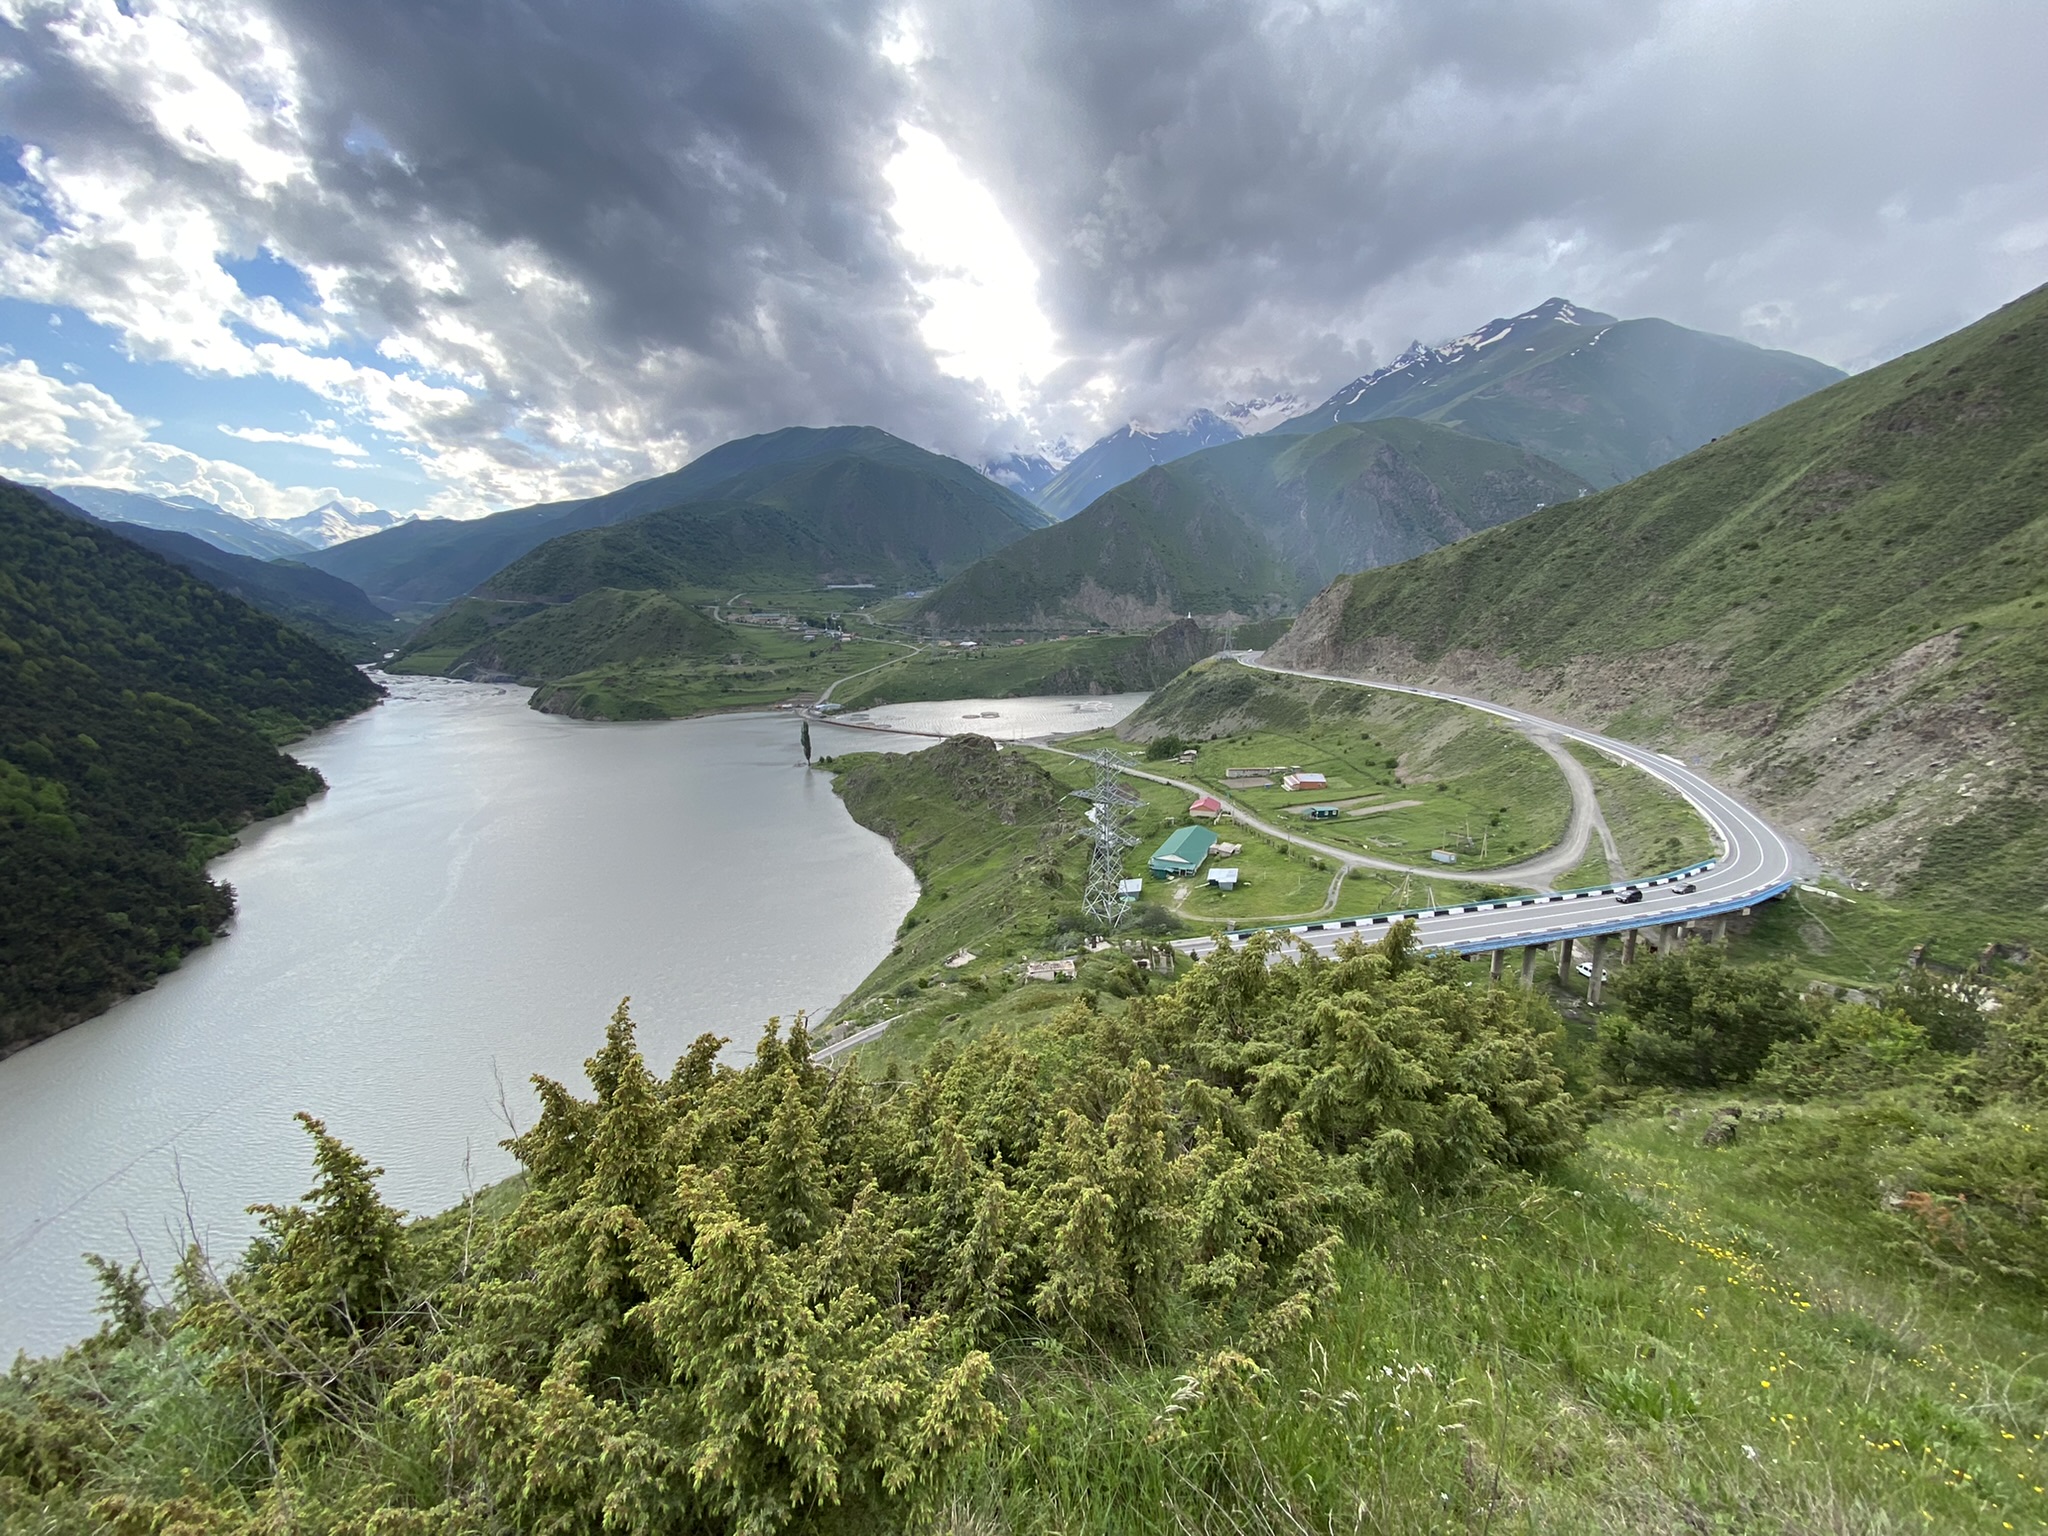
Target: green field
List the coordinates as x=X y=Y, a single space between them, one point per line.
x=1001 y=671
x=764 y=667
x=1485 y=792
x=1654 y=827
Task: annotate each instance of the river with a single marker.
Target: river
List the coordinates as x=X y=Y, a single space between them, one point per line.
x=461 y=910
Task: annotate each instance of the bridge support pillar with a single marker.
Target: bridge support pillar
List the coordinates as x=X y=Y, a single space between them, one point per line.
x=1721 y=930
x=1599 y=957
x=1498 y=956
x=1529 y=953
x=1674 y=938
x=1564 y=959
x=1628 y=947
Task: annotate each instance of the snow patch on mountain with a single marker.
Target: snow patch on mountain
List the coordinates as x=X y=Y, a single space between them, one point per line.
x=334 y=523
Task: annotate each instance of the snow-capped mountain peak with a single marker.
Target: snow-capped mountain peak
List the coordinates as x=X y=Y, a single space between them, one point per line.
x=332 y=523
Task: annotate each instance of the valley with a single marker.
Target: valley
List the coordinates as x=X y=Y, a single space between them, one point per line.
x=1616 y=1196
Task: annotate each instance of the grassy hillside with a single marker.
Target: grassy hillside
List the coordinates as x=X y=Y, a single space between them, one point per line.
x=1251 y=527
x=869 y=498
x=1607 y=399
x=1843 y=606
x=700 y=545
x=139 y=711
x=1077 y=664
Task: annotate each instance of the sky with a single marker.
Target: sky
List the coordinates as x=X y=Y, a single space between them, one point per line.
x=456 y=256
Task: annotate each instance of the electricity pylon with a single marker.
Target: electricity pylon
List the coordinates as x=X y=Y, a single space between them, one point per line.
x=1109 y=830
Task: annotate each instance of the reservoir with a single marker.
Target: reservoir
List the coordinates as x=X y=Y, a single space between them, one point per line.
x=463 y=909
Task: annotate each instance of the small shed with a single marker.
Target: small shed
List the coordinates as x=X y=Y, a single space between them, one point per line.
x=1322 y=813
x=1443 y=855
x=1224 y=879
x=1182 y=852
x=1300 y=781
x=1208 y=805
x=1130 y=889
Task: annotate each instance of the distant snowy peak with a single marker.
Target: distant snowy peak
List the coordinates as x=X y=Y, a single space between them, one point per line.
x=1202 y=429
x=332 y=523
x=1027 y=471
x=1261 y=411
x=1530 y=330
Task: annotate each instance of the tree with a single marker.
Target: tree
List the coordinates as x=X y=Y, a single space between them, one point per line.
x=804 y=736
x=1692 y=1020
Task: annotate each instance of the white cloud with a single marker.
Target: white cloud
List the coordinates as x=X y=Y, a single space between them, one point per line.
x=55 y=431
x=323 y=442
x=982 y=318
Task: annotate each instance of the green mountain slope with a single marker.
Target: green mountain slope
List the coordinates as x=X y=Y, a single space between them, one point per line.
x=916 y=507
x=1844 y=606
x=138 y=711
x=1608 y=399
x=536 y=642
x=332 y=611
x=1148 y=552
x=716 y=543
x=1252 y=527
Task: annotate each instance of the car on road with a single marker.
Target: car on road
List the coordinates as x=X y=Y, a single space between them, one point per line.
x=1630 y=896
x=1687 y=889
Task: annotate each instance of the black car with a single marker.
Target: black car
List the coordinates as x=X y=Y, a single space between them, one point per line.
x=1687 y=889
x=1629 y=897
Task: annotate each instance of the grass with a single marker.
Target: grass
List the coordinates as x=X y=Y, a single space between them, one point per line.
x=1666 y=1338
x=1655 y=828
x=1860 y=938
x=1486 y=792
x=1075 y=664
x=765 y=667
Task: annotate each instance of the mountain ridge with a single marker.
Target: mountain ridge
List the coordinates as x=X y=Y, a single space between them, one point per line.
x=817 y=472
x=1608 y=399
x=1250 y=527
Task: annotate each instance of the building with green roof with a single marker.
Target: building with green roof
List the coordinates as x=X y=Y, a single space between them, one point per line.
x=1182 y=852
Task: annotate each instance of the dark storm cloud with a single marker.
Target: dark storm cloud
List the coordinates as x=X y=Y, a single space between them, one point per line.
x=1190 y=170
x=1221 y=196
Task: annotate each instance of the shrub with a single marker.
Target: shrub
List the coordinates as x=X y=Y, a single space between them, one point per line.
x=1857 y=1048
x=1164 y=747
x=1692 y=1020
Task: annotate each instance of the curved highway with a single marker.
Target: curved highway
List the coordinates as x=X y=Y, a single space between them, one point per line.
x=1756 y=862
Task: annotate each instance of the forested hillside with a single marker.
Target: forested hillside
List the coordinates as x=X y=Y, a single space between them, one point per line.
x=1844 y=606
x=324 y=606
x=139 y=715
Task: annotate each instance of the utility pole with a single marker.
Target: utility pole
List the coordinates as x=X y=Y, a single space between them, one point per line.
x=1109 y=830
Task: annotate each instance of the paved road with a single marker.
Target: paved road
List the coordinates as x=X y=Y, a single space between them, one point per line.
x=1757 y=862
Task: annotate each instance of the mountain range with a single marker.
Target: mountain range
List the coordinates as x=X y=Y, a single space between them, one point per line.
x=1124 y=455
x=188 y=515
x=279 y=538
x=1842 y=607
x=1253 y=526
x=842 y=503
x=1607 y=399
